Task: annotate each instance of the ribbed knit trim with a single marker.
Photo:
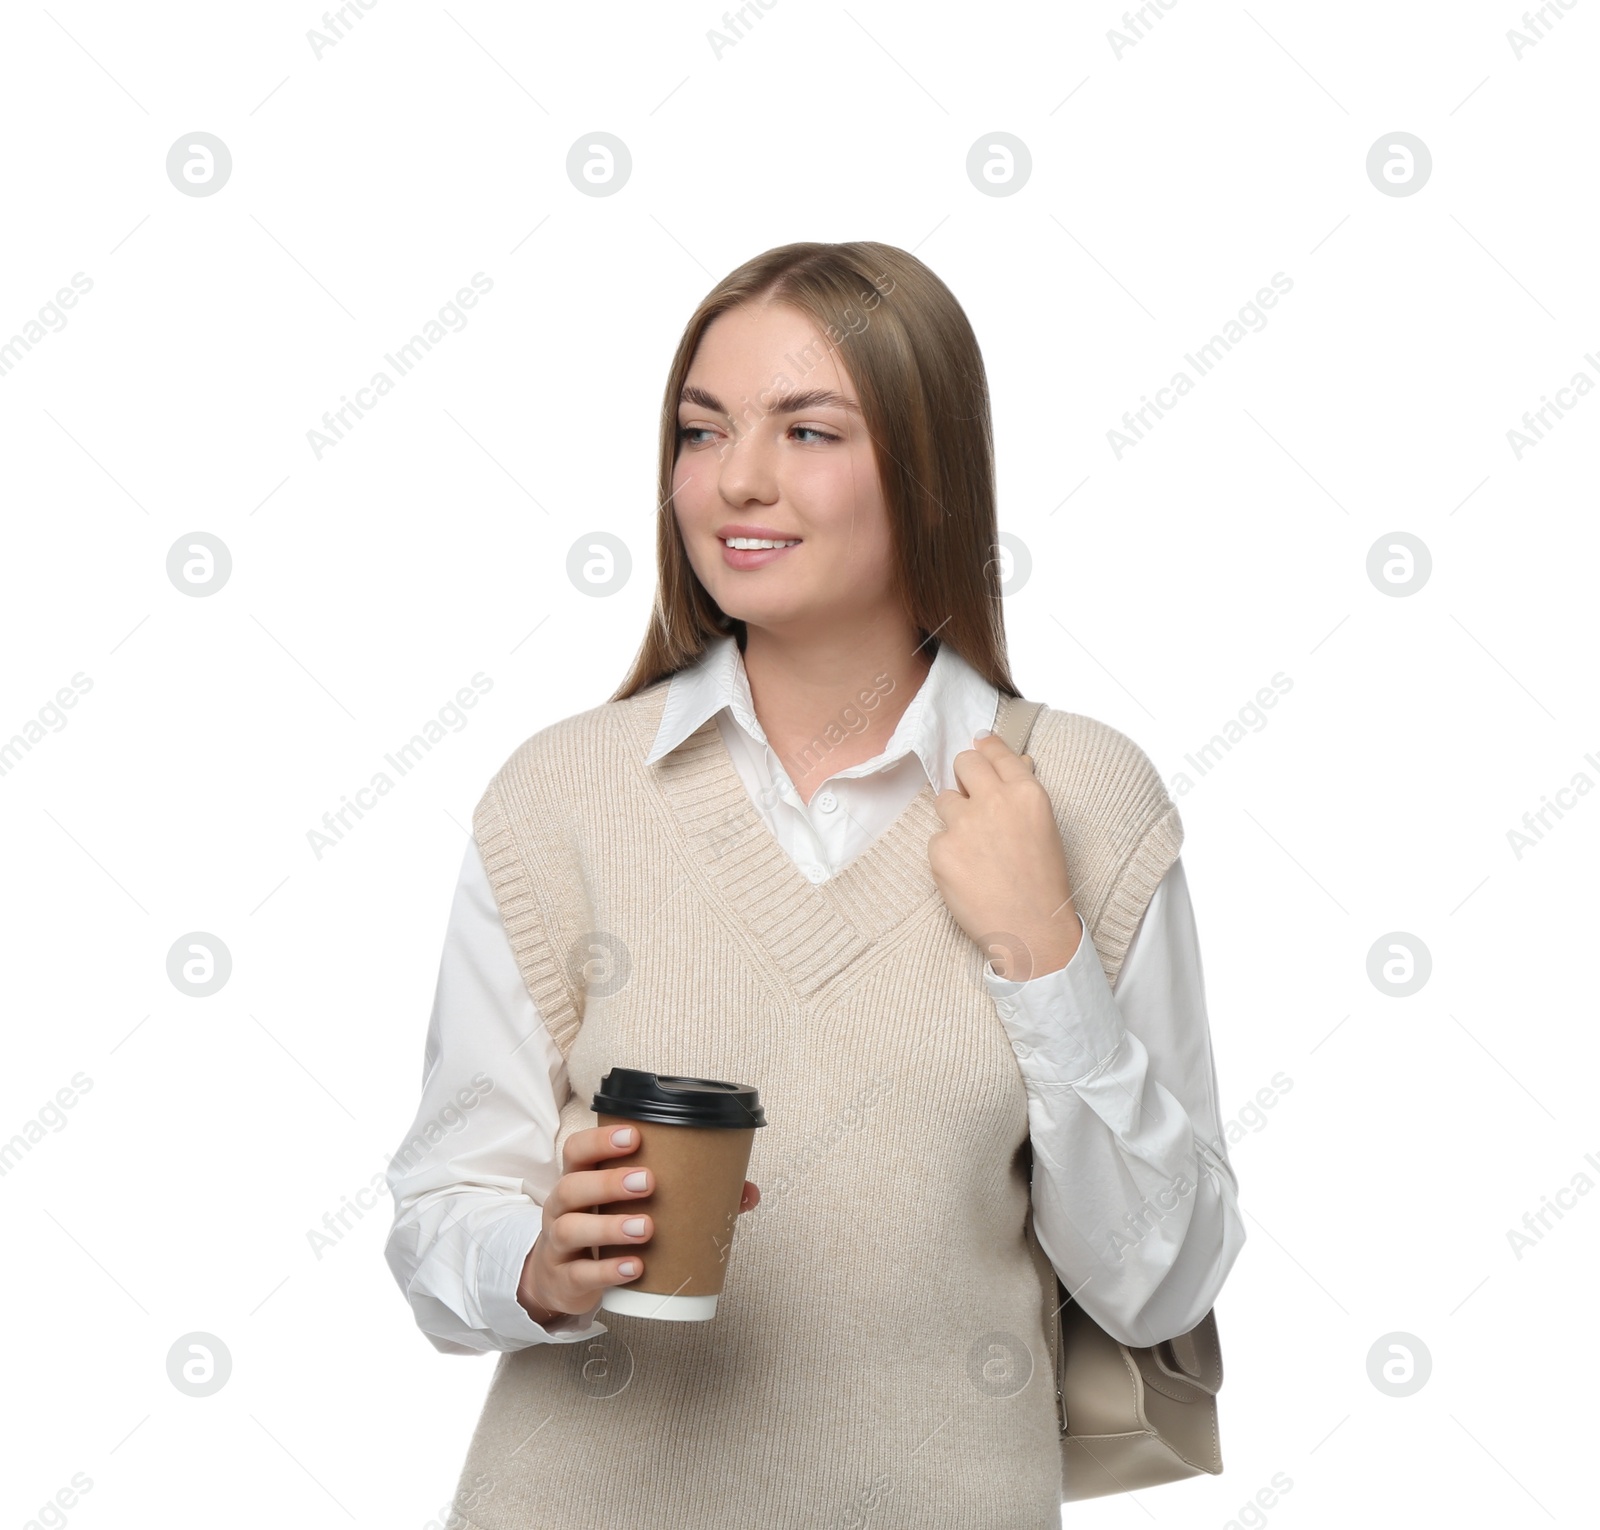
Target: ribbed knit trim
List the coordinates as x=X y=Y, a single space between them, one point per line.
x=526 y=922
x=1132 y=889
x=1120 y=829
x=812 y=932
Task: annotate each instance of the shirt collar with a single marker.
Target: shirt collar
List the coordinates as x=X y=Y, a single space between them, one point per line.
x=954 y=703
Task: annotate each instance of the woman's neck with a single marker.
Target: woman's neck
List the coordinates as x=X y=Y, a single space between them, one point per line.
x=830 y=704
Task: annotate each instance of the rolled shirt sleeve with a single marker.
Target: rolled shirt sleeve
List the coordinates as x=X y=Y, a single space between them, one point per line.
x=470 y=1180
x=1134 y=1200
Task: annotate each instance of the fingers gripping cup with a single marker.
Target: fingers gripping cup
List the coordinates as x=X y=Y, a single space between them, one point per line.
x=695 y=1135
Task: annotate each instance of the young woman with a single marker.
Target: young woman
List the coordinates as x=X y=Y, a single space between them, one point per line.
x=780 y=854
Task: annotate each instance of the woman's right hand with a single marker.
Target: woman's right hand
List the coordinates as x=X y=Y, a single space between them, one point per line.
x=558 y=1276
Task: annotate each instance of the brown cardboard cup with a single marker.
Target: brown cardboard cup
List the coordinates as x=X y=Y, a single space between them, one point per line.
x=696 y=1137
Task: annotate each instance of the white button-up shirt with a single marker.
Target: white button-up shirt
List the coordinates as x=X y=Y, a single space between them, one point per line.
x=1134 y=1200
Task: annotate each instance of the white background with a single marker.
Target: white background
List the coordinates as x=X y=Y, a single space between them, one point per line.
x=1168 y=185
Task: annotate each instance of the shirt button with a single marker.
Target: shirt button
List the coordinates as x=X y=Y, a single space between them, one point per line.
x=816 y=873
x=827 y=801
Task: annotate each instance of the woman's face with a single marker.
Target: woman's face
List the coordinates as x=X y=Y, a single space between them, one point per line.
x=771 y=443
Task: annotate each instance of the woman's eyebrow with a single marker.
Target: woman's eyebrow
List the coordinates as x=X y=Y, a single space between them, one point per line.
x=787 y=403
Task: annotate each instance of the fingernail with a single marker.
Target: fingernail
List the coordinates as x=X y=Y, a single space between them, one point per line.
x=634 y=1227
x=622 y=1136
x=628 y=1267
x=635 y=1181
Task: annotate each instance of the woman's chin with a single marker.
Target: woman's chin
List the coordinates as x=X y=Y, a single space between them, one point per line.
x=777 y=611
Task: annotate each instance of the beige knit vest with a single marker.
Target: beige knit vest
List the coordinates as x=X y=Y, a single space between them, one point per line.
x=880 y=1354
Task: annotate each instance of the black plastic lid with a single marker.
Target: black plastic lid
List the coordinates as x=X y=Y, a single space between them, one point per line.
x=674 y=1101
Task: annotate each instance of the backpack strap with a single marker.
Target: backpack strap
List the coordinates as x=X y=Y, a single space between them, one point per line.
x=1014 y=719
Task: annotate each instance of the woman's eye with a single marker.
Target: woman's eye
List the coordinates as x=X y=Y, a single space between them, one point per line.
x=688 y=433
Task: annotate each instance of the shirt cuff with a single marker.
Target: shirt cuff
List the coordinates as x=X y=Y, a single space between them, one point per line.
x=1065 y=1026
x=505 y=1251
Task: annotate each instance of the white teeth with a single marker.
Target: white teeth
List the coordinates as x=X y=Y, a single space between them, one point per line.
x=751 y=542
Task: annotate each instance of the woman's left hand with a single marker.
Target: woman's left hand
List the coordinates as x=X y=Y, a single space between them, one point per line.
x=999 y=864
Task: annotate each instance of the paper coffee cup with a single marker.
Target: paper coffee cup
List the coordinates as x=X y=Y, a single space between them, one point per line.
x=695 y=1136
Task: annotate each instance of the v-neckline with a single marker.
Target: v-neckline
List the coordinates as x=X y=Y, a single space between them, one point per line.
x=811 y=930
